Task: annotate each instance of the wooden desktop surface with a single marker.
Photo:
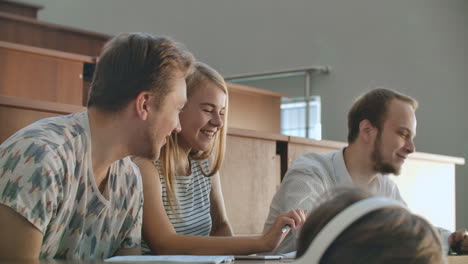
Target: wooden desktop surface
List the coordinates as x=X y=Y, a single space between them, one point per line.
x=451 y=260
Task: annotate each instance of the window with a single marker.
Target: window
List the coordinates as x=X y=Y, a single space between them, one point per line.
x=295 y=121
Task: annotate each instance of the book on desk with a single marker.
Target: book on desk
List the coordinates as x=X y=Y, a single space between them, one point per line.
x=171 y=259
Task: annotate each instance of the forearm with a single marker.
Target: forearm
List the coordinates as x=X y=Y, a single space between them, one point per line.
x=222 y=230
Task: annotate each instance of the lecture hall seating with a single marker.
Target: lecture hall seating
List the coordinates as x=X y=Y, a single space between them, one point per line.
x=44 y=72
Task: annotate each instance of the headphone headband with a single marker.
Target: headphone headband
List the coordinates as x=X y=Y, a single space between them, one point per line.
x=340 y=222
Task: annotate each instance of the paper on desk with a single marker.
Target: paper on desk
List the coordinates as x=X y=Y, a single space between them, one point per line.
x=171 y=259
x=290 y=255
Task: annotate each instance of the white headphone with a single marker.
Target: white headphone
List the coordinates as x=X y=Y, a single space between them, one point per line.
x=339 y=223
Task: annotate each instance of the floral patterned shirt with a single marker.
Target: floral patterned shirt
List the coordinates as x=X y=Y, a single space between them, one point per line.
x=46 y=176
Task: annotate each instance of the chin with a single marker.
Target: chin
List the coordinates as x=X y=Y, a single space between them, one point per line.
x=203 y=146
x=387 y=168
x=203 y=149
x=153 y=154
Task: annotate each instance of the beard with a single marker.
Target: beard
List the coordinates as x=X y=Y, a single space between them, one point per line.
x=379 y=165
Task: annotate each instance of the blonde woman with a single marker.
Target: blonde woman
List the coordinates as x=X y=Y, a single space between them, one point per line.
x=184 y=210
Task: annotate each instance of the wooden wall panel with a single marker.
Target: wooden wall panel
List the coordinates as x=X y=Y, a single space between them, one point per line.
x=255 y=109
x=298 y=146
x=13 y=119
x=41 y=76
x=31 y=32
x=250 y=176
x=19 y=8
x=16 y=113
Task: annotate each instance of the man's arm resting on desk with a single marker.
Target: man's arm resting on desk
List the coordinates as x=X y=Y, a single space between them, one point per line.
x=19 y=238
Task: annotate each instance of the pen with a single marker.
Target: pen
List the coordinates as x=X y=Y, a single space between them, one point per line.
x=285 y=228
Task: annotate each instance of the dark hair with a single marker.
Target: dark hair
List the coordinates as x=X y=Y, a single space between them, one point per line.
x=387 y=235
x=134 y=62
x=373 y=106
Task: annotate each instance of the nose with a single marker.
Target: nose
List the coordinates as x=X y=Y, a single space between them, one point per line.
x=178 y=127
x=217 y=120
x=410 y=146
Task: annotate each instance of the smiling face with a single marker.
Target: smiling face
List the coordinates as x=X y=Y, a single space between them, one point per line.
x=202 y=117
x=164 y=119
x=395 y=141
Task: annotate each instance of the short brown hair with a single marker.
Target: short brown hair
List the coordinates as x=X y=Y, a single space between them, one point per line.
x=373 y=106
x=134 y=62
x=387 y=235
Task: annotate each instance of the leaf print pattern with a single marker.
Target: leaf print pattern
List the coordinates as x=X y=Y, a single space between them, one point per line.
x=11 y=162
x=46 y=176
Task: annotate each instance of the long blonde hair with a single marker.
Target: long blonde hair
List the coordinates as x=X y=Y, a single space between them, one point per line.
x=170 y=152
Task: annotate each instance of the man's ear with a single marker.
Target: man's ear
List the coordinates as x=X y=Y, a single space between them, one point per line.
x=142 y=105
x=367 y=131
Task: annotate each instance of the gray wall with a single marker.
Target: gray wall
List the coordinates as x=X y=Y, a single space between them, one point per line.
x=419 y=47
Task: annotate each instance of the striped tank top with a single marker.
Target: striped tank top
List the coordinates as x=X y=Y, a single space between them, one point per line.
x=191 y=215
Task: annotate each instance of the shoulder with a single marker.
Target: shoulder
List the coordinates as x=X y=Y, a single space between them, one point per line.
x=145 y=167
x=388 y=187
x=386 y=182
x=313 y=164
x=54 y=132
x=128 y=175
x=150 y=176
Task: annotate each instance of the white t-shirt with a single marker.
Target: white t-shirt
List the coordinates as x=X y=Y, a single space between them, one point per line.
x=307 y=179
x=46 y=176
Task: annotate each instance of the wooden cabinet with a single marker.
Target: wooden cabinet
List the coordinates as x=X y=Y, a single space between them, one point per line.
x=16 y=113
x=250 y=176
x=254 y=109
x=19 y=8
x=42 y=74
x=32 y=32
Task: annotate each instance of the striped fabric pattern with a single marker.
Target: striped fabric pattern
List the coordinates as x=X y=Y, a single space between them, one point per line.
x=191 y=216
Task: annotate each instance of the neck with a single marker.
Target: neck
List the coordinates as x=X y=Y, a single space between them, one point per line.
x=108 y=142
x=183 y=165
x=359 y=164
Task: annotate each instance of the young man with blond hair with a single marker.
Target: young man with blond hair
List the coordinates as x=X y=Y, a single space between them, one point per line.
x=68 y=188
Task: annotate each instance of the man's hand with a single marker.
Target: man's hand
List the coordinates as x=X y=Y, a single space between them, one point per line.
x=458 y=241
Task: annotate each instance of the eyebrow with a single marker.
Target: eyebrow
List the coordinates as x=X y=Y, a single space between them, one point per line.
x=210 y=104
x=408 y=131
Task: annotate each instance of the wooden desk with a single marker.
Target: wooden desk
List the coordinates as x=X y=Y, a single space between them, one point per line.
x=42 y=74
x=451 y=260
x=250 y=176
x=426 y=182
x=19 y=8
x=32 y=32
x=16 y=113
x=255 y=109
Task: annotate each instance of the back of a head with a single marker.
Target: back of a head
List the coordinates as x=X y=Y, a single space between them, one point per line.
x=386 y=235
x=373 y=106
x=134 y=62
